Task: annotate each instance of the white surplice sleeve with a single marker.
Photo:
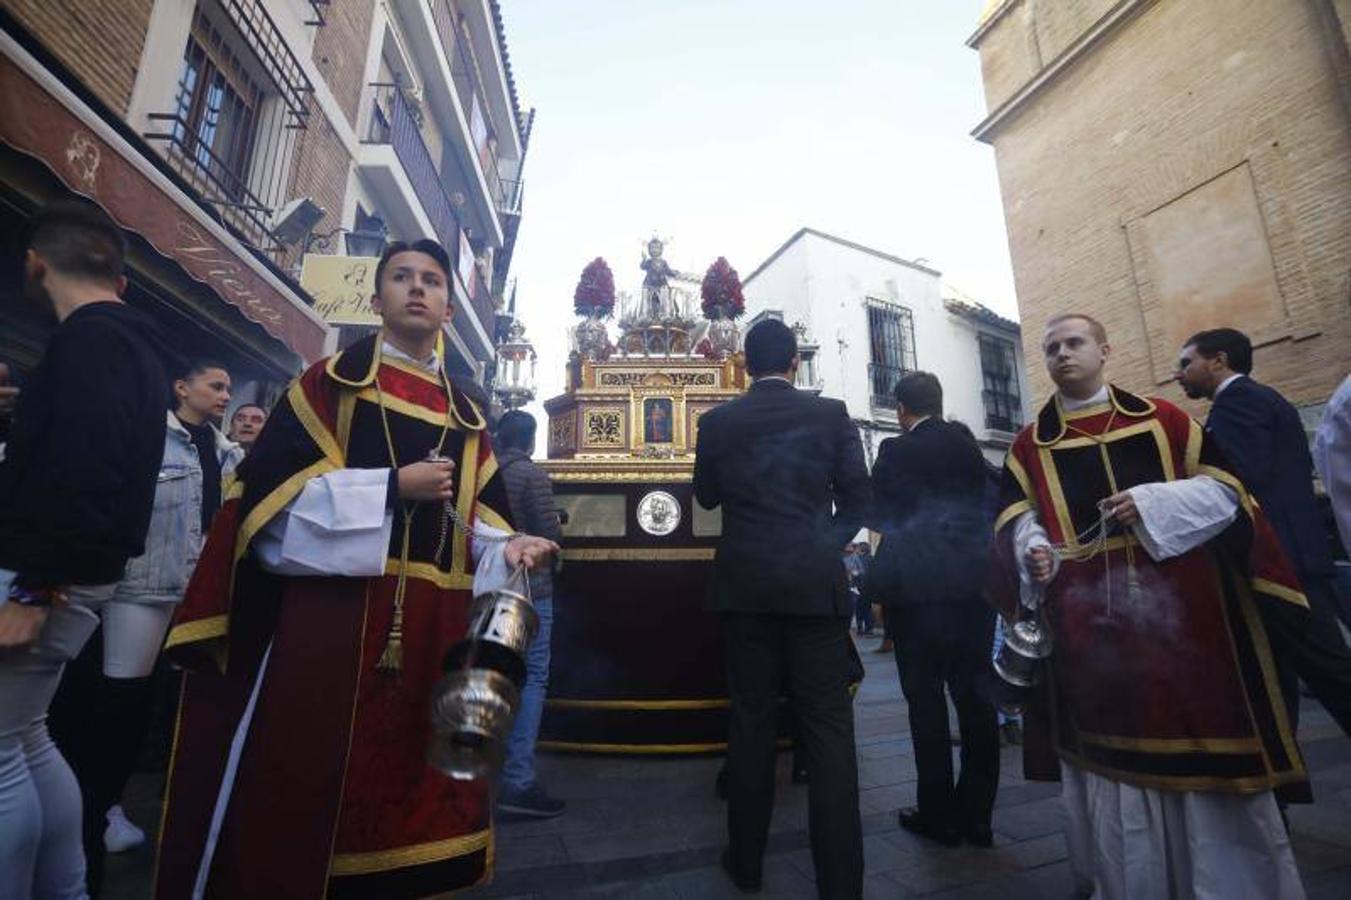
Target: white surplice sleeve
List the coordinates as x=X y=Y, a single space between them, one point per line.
x=339 y=525
x=1028 y=533
x=1177 y=516
x=490 y=559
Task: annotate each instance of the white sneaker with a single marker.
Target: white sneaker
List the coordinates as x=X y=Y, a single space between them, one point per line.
x=121 y=835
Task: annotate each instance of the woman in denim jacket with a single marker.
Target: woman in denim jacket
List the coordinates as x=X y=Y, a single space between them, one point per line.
x=103 y=709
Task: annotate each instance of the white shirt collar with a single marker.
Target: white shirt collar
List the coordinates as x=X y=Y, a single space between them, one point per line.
x=431 y=364
x=917 y=422
x=1228 y=381
x=761 y=378
x=1070 y=404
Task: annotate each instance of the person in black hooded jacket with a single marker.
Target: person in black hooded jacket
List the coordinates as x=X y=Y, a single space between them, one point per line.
x=77 y=485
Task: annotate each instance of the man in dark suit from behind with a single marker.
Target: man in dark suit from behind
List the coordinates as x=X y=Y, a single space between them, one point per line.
x=1261 y=434
x=787 y=469
x=928 y=486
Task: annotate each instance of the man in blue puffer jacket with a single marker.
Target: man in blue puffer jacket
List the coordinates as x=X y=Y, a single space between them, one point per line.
x=531 y=497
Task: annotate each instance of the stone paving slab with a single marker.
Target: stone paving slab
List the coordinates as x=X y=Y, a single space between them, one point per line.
x=1029 y=858
x=644 y=827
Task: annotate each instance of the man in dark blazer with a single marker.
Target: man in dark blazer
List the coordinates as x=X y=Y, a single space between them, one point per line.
x=787 y=469
x=1262 y=435
x=928 y=488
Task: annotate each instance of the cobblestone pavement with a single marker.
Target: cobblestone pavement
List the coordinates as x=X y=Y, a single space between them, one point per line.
x=652 y=828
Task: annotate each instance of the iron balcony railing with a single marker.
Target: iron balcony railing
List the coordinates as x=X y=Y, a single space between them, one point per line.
x=1002 y=411
x=511 y=197
x=220 y=184
x=469 y=88
x=882 y=379
x=395 y=121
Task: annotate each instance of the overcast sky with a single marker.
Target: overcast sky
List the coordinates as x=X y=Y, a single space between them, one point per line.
x=726 y=125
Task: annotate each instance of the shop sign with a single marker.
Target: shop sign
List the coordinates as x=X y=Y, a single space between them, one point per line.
x=341 y=287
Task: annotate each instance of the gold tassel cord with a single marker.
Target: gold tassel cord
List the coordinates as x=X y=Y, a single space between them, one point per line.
x=391 y=658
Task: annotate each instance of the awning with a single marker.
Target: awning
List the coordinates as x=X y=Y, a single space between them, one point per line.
x=92 y=159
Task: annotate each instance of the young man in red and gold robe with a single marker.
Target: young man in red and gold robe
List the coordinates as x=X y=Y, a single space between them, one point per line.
x=1122 y=523
x=313 y=631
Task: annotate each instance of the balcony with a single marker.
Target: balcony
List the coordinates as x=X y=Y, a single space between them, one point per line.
x=395 y=122
x=503 y=194
x=413 y=195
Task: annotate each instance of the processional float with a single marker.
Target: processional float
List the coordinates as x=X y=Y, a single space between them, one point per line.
x=637 y=663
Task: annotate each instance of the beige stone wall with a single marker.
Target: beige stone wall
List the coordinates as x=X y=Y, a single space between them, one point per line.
x=100 y=41
x=1192 y=170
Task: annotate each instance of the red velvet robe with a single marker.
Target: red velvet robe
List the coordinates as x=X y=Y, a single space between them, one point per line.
x=334 y=797
x=1174 y=688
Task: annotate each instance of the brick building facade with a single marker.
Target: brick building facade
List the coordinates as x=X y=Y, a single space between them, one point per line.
x=300 y=128
x=1173 y=165
x=100 y=41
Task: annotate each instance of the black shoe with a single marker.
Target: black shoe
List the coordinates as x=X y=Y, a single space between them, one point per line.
x=534 y=802
x=743 y=884
x=978 y=835
x=910 y=819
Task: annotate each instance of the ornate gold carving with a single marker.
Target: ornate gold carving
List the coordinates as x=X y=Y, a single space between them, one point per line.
x=620 y=378
x=603 y=428
x=563 y=432
x=695 y=415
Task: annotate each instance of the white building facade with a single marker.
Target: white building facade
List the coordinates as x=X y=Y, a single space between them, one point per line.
x=874 y=316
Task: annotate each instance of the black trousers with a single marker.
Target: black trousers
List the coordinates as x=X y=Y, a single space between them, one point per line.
x=807 y=655
x=1308 y=646
x=949 y=643
x=99 y=725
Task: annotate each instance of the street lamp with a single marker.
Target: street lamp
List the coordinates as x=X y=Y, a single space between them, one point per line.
x=368 y=239
x=515 y=385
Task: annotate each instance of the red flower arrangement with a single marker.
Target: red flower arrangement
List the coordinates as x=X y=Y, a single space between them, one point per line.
x=721 y=291
x=595 y=294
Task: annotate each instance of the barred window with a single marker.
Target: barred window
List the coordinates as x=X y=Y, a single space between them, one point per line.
x=999 y=372
x=217 y=109
x=242 y=97
x=891 y=333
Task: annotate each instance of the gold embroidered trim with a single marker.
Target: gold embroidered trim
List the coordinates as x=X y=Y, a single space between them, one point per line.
x=405 y=857
x=313 y=425
x=1291 y=595
x=412 y=410
x=1174 y=745
x=168 y=786
x=1248 y=502
x=201 y=630
x=1020 y=475
x=1011 y=512
x=492 y=518
x=418 y=371
x=1195 y=437
x=275 y=502
x=486 y=472
x=1253 y=784
x=424 y=571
